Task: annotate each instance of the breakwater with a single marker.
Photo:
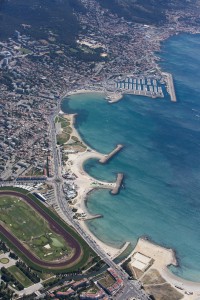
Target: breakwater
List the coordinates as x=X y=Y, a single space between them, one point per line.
x=107 y=157
x=92 y=217
x=119 y=181
x=170 y=86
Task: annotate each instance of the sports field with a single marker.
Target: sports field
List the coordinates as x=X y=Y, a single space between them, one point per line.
x=38 y=235
x=33 y=230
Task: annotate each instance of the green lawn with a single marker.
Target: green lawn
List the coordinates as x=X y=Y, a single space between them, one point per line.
x=35 y=172
x=25 y=51
x=107 y=280
x=62 y=138
x=64 y=122
x=67 y=130
x=29 y=227
x=20 y=276
x=4 y=260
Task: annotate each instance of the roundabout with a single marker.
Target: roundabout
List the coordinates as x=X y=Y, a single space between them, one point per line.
x=4 y=260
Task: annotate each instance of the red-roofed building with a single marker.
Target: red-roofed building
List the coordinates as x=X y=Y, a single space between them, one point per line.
x=51 y=295
x=116 y=286
x=81 y=283
x=69 y=292
x=91 y=296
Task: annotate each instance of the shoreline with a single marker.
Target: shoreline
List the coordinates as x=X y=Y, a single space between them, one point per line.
x=82 y=91
x=144 y=246
x=86 y=184
x=118 y=95
x=162 y=258
x=110 y=97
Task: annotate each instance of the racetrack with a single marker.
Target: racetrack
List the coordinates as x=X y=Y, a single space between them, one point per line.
x=56 y=227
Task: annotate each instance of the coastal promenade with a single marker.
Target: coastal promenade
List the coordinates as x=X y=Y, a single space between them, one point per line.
x=131 y=289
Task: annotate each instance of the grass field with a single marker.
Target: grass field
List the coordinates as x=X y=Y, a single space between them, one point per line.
x=31 y=229
x=87 y=251
x=107 y=280
x=63 y=137
x=64 y=122
x=20 y=276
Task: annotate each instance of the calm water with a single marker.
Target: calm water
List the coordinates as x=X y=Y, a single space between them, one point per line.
x=160 y=160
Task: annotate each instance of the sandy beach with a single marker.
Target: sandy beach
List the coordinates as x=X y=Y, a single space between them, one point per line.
x=162 y=258
x=111 y=97
x=84 y=91
x=110 y=250
x=86 y=183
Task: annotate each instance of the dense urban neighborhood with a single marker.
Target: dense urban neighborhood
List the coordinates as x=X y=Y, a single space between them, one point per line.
x=42 y=182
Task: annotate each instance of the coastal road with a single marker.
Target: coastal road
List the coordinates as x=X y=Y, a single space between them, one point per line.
x=131 y=288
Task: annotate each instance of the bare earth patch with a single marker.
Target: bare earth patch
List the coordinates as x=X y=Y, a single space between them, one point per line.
x=152 y=277
x=163 y=292
x=156 y=286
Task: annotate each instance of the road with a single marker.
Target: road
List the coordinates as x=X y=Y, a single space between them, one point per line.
x=131 y=288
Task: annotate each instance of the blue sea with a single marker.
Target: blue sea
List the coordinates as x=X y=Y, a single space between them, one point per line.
x=160 y=160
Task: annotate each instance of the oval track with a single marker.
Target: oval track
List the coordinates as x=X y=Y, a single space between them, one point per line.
x=72 y=242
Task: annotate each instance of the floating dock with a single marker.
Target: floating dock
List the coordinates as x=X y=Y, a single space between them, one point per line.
x=170 y=86
x=106 y=158
x=119 y=181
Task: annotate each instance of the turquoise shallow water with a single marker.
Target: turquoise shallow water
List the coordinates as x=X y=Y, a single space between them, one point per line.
x=160 y=160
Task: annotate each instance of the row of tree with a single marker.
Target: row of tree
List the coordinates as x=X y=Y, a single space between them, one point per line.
x=28 y=272
x=9 y=278
x=5 y=292
x=3 y=247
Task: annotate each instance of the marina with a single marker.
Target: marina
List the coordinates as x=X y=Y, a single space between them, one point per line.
x=140 y=86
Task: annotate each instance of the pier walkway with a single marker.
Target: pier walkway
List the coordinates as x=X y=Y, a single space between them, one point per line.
x=106 y=158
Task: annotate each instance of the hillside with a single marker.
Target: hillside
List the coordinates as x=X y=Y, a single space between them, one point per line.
x=145 y=11
x=43 y=16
